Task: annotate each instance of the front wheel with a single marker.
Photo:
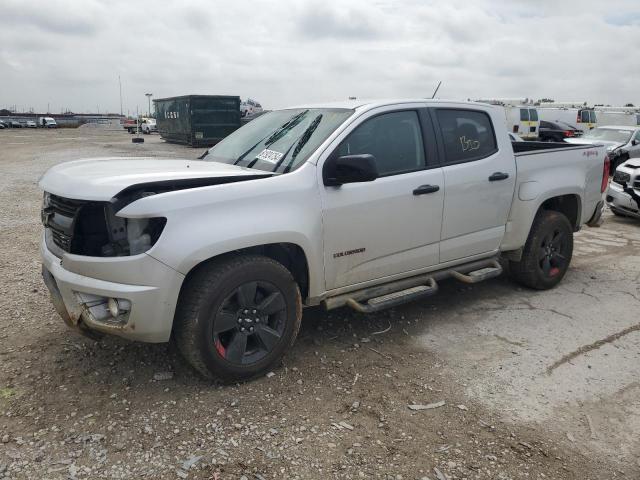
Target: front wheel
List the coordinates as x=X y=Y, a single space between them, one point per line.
x=237 y=317
x=546 y=254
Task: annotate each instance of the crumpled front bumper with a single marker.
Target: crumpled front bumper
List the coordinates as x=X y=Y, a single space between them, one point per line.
x=617 y=199
x=81 y=300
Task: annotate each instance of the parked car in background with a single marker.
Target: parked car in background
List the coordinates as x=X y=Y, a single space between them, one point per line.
x=15 y=124
x=557 y=131
x=47 y=122
x=621 y=197
x=30 y=124
x=2 y=126
x=622 y=142
x=222 y=253
x=581 y=117
x=148 y=126
x=130 y=125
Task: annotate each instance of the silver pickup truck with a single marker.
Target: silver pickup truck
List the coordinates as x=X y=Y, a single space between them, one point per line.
x=360 y=204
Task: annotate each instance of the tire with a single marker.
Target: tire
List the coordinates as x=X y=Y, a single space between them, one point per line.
x=237 y=317
x=547 y=253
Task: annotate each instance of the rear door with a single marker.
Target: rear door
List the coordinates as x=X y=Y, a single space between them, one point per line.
x=479 y=179
x=534 y=123
x=391 y=225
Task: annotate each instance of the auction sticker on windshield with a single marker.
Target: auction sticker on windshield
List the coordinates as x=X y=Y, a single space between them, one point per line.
x=270 y=156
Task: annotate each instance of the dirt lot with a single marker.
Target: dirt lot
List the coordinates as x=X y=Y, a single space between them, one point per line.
x=534 y=384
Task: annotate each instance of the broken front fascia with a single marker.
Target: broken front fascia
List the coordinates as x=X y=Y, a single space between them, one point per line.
x=92 y=228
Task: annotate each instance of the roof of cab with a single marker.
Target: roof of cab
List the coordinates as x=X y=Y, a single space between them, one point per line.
x=369 y=104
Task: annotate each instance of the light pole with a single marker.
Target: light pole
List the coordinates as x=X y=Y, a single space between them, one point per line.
x=149 y=95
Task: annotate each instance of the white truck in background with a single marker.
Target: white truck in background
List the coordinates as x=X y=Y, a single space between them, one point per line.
x=361 y=204
x=521 y=116
x=250 y=107
x=47 y=122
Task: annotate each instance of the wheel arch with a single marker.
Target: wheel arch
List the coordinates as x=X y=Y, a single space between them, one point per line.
x=290 y=255
x=570 y=205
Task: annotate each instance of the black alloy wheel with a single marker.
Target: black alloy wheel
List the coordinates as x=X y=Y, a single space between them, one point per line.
x=249 y=323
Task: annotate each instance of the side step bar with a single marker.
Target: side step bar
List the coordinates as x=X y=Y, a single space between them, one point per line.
x=493 y=270
x=380 y=297
x=395 y=298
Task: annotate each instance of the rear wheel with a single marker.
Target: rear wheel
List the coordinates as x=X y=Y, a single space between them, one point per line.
x=547 y=253
x=238 y=317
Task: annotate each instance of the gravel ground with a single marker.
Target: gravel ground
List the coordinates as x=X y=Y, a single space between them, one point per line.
x=521 y=384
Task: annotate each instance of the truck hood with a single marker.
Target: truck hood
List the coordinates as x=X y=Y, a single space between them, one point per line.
x=101 y=179
x=586 y=141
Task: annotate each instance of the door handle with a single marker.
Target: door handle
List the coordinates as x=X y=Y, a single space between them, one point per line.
x=498 y=176
x=424 y=189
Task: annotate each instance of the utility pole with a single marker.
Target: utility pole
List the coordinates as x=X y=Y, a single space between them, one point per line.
x=120 y=84
x=149 y=95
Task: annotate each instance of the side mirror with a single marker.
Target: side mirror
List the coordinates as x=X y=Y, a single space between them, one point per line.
x=349 y=169
x=634 y=142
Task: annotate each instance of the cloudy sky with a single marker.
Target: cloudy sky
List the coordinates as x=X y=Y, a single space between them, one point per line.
x=69 y=53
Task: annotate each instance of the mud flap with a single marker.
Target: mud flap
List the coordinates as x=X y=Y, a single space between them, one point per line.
x=596 y=219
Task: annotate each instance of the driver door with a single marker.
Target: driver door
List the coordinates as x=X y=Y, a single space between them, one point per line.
x=392 y=225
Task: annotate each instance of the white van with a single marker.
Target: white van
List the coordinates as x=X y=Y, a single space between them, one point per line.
x=47 y=122
x=628 y=116
x=577 y=115
x=522 y=117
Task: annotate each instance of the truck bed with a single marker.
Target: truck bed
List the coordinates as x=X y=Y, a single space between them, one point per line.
x=548 y=169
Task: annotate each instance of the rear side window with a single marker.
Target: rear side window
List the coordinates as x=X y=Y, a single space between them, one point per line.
x=533 y=115
x=524 y=115
x=394 y=139
x=468 y=135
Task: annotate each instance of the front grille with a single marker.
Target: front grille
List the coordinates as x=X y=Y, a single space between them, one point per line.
x=65 y=206
x=60 y=216
x=621 y=177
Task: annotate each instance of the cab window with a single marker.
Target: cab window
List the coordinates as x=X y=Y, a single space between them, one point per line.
x=524 y=114
x=394 y=139
x=468 y=135
x=533 y=115
x=593 y=117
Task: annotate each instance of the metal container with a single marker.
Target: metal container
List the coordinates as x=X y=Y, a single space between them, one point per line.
x=197 y=120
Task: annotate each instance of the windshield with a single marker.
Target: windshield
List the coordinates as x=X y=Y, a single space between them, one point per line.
x=278 y=141
x=609 y=135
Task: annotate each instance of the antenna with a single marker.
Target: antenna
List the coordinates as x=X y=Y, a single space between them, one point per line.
x=436 y=90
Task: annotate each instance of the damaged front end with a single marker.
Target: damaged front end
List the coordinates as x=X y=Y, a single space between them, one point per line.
x=91 y=228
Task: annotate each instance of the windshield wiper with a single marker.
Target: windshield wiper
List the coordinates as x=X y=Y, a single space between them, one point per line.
x=273 y=137
x=304 y=138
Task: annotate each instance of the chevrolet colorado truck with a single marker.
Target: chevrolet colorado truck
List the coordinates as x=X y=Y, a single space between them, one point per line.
x=366 y=205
